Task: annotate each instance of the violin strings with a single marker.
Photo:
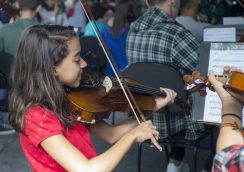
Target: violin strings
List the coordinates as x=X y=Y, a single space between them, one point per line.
x=139 y=87
x=143 y=89
x=150 y=91
x=146 y=89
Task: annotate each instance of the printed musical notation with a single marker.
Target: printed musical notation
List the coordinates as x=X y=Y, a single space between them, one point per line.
x=219 y=34
x=221 y=54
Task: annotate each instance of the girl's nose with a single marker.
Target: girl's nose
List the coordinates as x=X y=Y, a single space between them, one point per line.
x=83 y=63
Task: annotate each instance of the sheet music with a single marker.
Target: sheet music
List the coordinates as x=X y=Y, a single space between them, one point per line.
x=227 y=34
x=233 y=20
x=221 y=54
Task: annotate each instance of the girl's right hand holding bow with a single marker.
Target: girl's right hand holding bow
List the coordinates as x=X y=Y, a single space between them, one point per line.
x=146 y=131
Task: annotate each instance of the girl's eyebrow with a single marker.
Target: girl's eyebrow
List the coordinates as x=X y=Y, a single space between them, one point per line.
x=76 y=54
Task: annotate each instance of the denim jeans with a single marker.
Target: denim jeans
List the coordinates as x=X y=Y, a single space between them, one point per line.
x=3 y=94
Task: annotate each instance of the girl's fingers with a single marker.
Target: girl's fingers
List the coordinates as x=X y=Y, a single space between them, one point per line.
x=226 y=69
x=218 y=86
x=155 y=143
x=170 y=93
x=153 y=134
x=232 y=69
x=149 y=121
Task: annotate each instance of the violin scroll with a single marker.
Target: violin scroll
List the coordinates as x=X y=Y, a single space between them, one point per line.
x=196 y=82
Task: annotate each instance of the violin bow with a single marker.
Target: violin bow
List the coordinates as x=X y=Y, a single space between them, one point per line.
x=241 y=2
x=119 y=76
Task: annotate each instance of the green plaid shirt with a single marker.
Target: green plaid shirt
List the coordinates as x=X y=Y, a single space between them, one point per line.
x=156 y=37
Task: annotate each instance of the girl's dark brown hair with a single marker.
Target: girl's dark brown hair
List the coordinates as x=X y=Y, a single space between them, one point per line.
x=32 y=78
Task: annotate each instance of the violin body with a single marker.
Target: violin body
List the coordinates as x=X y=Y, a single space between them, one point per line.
x=87 y=104
x=235 y=86
x=93 y=104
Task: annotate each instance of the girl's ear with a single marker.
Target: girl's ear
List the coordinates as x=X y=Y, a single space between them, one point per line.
x=55 y=71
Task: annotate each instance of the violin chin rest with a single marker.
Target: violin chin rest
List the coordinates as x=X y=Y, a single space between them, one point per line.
x=93 y=121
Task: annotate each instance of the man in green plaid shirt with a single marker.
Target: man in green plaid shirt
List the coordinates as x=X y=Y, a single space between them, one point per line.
x=157 y=37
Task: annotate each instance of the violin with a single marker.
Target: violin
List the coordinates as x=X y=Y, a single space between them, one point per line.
x=95 y=100
x=12 y=11
x=233 y=83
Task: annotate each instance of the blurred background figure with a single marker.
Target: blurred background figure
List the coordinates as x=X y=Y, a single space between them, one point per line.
x=76 y=15
x=115 y=31
x=10 y=33
x=4 y=16
x=98 y=12
x=9 y=40
x=52 y=12
x=9 y=11
x=189 y=18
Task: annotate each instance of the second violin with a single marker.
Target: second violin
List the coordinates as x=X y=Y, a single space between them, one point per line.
x=233 y=83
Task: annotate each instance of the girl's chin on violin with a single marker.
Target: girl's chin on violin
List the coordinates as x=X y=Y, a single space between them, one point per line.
x=73 y=84
x=77 y=82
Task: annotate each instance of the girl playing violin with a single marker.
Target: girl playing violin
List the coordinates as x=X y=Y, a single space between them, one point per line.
x=48 y=58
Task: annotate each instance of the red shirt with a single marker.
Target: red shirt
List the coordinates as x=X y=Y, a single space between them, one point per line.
x=41 y=123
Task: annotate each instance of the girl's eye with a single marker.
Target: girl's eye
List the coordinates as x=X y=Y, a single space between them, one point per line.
x=78 y=60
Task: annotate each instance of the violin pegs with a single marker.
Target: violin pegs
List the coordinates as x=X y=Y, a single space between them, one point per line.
x=196 y=74
x=188 y=79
